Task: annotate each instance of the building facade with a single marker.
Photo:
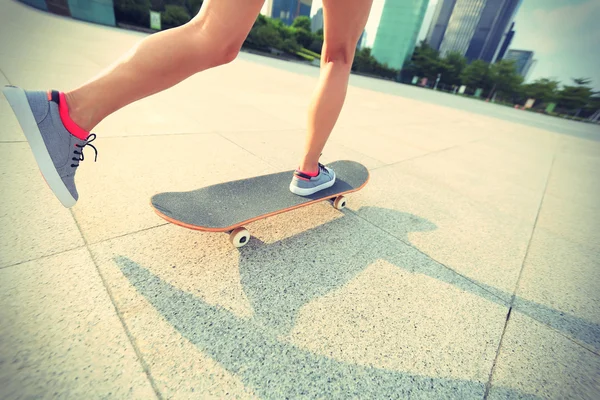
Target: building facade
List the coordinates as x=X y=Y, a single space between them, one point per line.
x=523 y=60
x=398 y=30
x=288 y=10
x=494 y=24
x=507 y=41
x=439 y=23
x=316 y=22
x=477 y=29
x=461 y=26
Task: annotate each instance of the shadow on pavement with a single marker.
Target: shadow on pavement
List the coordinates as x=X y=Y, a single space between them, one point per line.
x=280 y=278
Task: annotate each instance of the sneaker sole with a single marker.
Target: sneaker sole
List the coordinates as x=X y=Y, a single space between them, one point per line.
x=18 y=101
x=308 y=192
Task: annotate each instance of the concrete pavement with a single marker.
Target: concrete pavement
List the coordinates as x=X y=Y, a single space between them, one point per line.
x=467 y=268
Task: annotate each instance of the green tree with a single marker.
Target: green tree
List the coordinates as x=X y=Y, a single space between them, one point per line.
x=194 y=6
x=543 y=90
x=582 y=81
x=575 y=97
x=175 y=15
x=316 y=45
x=290 y=46
x=303 y=37
x=476 y=75
x=452 y=67
x=302 y=22
x=425 y=62
x=135 y=12
x=364 y=61
x=266 y=36
x=285 y=32
x=505 y=79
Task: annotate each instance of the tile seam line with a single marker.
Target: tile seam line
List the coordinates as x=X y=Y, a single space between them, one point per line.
x=183 y=133
x=488 y=385
x=584 y=346
x=249 y=152
x=426 y=255
x=426 y=154
x=81 y=246
x=42 y=257
x=130 y=337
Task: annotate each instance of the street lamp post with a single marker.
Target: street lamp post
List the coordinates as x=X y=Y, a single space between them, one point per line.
x=437 y=81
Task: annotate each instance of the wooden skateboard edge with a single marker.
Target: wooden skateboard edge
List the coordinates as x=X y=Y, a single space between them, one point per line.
x=263 y=216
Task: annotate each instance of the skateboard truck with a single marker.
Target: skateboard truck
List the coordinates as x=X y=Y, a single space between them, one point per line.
x=241 y=236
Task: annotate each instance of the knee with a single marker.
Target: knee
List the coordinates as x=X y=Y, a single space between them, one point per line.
x=213 y=47
x=227 y=53
x=338 y=54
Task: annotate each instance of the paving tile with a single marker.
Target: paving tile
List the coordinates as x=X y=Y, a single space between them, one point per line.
x=11 y=130
x=571 y=221
x=385 y=149
x=60 y=336
x=323 y=311
x=574 y=176
x=115 y=192
x=470 y=237
x=560 y=286
x=481 y=172
x=33 y=223
x=285 y=149
x=536 y=362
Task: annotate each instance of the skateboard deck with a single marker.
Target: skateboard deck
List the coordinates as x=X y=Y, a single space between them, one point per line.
x=227 y=207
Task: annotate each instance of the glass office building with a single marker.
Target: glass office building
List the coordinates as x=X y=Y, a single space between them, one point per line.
x=288 y=10
x=493 y=26
x=461 y=26
x=523 y=60
x=477 y=29
x=398 y=29
x=439 y=23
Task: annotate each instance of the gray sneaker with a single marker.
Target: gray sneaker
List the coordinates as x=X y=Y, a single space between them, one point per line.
x=55 y=149
x=305 y=185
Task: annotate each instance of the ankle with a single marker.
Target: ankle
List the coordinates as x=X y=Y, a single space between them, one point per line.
x=69 y=118
x=309 y=166
x=78 y=112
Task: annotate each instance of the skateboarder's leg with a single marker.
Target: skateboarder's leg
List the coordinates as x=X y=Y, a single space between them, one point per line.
x=212 y=38
x=57 y=125
x=344 y=23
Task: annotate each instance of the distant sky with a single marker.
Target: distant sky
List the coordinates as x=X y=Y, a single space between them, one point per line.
x=564 y=35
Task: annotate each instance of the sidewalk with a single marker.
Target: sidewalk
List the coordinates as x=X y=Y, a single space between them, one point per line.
x=468 y=267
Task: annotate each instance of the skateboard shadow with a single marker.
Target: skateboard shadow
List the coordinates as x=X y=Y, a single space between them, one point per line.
x=279 y=288
x=280 y=278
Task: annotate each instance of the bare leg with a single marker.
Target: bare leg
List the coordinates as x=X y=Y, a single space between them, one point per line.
x=160 y=61
x=344 y=22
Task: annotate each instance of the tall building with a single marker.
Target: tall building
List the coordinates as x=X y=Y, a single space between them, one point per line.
x=477 y=29
x=507 y=41
x=316 y=22
x=493 y=26
x=439 y=23
x=398 y=29
x=362 y=41
x=461 y=26
x=288 y=10
x=523 y=60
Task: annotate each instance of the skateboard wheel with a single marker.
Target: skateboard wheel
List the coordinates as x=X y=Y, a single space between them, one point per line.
x=239 y=237
x=339 y=202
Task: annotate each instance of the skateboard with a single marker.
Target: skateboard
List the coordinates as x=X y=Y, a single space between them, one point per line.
x=227 y=207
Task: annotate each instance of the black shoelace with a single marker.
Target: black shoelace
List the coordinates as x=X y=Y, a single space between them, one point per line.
x=80 y=153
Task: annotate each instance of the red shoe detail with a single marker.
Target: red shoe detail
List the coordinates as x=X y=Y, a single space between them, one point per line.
x=70 y=125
